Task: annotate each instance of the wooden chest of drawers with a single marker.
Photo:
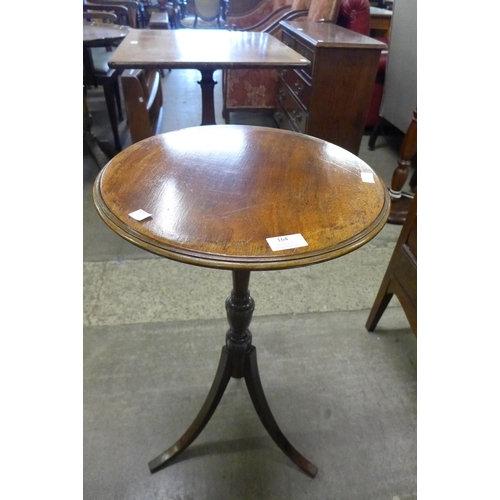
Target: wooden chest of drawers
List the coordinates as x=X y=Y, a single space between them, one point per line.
x=330 y=98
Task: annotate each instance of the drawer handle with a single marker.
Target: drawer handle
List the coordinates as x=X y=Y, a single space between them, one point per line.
x=297 y=116
x=298 y=88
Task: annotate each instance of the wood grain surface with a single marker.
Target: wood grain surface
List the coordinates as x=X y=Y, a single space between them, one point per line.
x=198 y=49
x=216 y=193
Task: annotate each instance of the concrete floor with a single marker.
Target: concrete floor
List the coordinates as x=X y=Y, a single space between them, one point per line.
x=153 y=330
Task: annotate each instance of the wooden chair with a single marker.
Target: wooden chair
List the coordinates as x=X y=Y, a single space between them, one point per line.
x=143 y=102
x=401 y=275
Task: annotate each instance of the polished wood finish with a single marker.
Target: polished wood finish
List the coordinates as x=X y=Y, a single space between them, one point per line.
x=238 y=359
x=400 y=201
x=101 y=34
x=143 y=97
x=214 y=194
x=330 y=98
x=206 y=51
x=199 y=49
x=401 y=275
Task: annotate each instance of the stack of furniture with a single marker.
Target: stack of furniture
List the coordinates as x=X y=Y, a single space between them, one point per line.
x=259 y=90
x=96 y=71
x=98 y=34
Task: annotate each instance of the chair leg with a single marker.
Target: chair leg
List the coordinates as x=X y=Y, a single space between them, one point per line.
x=379 y=306
x=109 y=95
x=377 y=129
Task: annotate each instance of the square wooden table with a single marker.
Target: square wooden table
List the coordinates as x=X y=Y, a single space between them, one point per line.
x=206 y=51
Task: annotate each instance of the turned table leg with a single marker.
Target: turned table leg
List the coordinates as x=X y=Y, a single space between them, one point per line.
x=238 y=359
x=400 y=203
x=207 y=84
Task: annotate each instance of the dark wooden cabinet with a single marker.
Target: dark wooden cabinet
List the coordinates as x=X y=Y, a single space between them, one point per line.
x=330 y=98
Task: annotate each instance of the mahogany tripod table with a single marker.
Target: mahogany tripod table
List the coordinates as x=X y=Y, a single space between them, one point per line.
x=243 y=199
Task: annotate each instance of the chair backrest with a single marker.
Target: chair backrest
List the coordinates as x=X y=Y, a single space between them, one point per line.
x=208 y=10
x=327 y=10
x=355 y=15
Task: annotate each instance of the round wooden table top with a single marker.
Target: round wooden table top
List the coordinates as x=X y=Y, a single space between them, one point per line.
x=214 y=195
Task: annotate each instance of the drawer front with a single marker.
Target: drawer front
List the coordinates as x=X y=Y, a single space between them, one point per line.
x=283 y=120
x=308 y=53
x=298 y=86
x=292 y=108
x=288 y=39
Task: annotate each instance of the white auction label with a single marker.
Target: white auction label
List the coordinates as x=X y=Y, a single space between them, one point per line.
x=286 y=242
x=139 y=215
x=367 y=177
